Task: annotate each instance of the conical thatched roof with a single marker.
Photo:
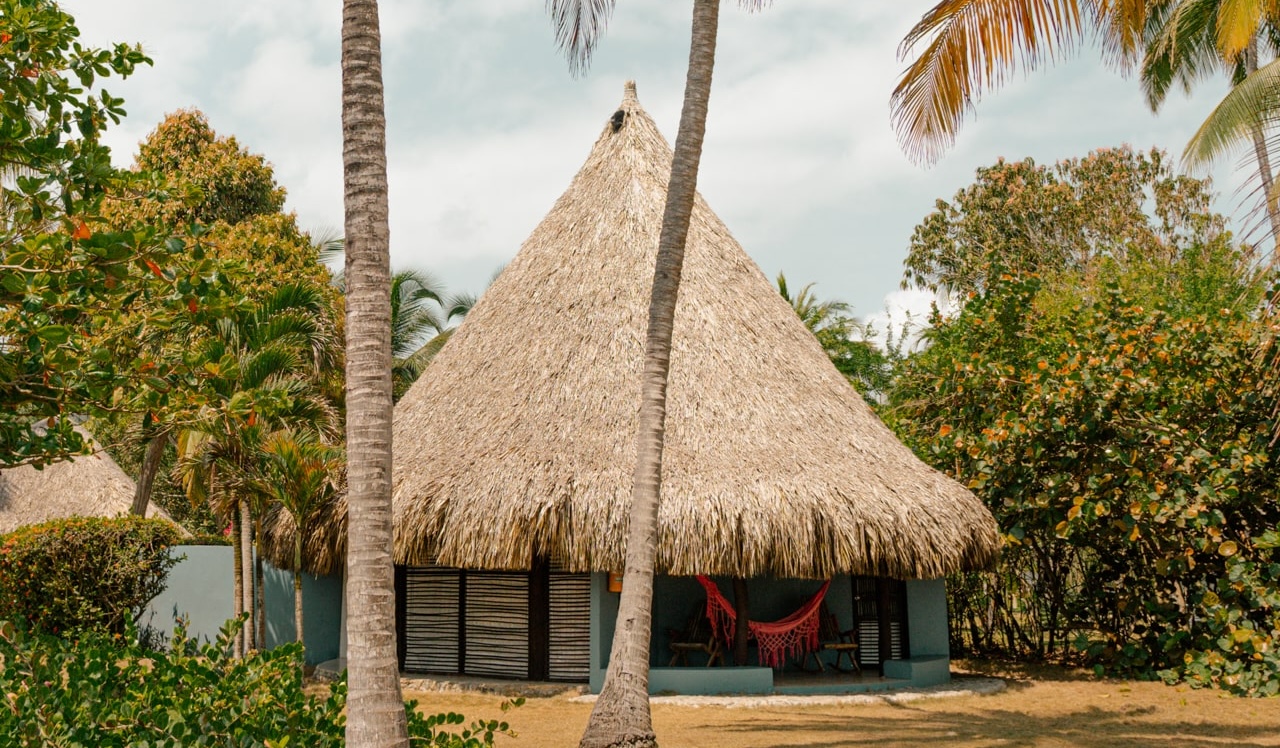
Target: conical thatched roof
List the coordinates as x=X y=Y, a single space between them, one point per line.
x=91 y=485
x=519 y=438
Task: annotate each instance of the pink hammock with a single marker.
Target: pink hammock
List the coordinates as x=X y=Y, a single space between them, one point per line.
x=793 y=636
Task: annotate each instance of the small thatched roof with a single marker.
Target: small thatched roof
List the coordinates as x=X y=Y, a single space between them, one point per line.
x=91 y=485
x=519 y=439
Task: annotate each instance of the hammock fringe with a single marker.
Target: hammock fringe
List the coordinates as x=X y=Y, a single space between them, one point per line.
x=793 y=636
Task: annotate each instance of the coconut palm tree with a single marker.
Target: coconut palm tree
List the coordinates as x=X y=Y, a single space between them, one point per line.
x=375 y=712
x=1192 y=39
x=970 y=45
x=422 y=318
x=422 y=315
x=621 y=715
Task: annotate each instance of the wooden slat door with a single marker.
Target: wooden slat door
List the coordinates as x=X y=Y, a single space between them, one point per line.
x=868 y=620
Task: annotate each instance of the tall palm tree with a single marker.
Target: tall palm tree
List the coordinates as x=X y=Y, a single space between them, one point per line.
x=621 y=715
x=375 y=711
x=422 y=318
x=422 y=315
x=970 y=45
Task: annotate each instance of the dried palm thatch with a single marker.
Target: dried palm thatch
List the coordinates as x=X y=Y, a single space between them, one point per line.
x=519 y=439
x=91 y=485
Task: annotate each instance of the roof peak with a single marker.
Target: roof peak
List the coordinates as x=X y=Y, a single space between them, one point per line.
x=629 y=92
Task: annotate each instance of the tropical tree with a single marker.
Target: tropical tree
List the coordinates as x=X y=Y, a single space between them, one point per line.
x=254 y=371
x=1108 y=407
x=1190 y=39
x=845 y=339
x=64 y=273
x=422 y=316
x=230 y=195
x=297 y=475
x=375 y=715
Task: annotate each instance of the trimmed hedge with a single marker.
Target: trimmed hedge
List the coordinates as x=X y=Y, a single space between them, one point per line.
x=84 y=573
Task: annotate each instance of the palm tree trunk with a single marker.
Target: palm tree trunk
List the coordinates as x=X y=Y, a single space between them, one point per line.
x=259 y=594
x=1269 y=197
x=237 y=571
x=147 y=473
x=297 y=588
x=621 y=715
x=375 y=711
x=246 y=564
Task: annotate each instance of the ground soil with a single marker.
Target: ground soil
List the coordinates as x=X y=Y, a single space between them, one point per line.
x=1041 y=706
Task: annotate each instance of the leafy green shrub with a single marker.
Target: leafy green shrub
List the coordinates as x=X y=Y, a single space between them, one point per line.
x=84 y=573
x=108 y=691
x=1126 y=451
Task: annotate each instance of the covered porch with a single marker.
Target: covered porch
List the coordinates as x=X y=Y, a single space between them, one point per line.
x=911 y=615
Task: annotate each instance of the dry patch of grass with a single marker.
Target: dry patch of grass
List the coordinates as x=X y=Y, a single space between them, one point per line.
x=1042 y=706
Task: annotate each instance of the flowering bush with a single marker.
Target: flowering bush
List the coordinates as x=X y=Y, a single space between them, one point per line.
x=83 y=573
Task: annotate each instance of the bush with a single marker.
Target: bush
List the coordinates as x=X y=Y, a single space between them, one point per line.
x=106 y=690
x=83 y=573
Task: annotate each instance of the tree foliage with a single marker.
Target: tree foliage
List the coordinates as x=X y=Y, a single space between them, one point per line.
x=1022 y=217
x=66 y=276
x=1114 y=416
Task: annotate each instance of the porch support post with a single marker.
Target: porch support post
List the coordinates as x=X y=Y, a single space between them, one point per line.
x=740 y=632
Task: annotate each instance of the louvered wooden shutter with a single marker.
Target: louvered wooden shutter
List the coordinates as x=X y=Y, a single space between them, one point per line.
x=497 y=624
x=864 y=590
x=570 y=646
x=431 y=597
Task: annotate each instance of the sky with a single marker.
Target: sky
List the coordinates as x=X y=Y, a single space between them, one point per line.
x=486 y=125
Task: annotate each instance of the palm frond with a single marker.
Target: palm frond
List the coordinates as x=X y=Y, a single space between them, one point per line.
x=1181 y=48
x=578 y=26
x=972 y=45
x=1238 y=23
x=975 y=45
x=1253 y=103
x=266 y=364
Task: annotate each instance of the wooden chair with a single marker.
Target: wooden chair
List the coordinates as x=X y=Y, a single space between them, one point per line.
x=697 y=636
x=843 y=643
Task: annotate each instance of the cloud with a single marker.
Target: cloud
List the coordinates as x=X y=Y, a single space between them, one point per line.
x=486 y=126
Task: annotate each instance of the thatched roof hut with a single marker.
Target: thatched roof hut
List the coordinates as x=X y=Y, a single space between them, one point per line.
x=91 y=485
x=519 y=440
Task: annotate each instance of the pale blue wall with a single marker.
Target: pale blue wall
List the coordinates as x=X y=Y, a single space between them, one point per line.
x=927 y=617
x=199 y=587
x=202 y=588
x=321 y=612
